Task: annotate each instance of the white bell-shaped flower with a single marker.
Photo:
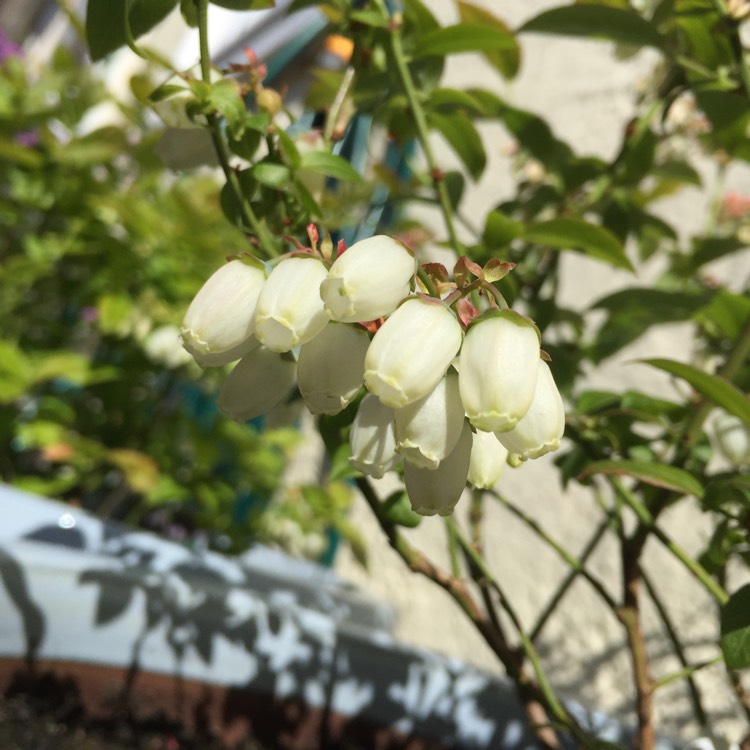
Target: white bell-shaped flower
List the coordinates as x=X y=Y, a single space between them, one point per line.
x=373 y=446
x=733 y=439
x=427 y=430
x=331 y=367
x=290 y=311
x=539 y=430
x=498 y=370
x=438 y=490
x=368 y=280
x=260 y=381
x=220 y=321
x=488 y=459
x=411 y=351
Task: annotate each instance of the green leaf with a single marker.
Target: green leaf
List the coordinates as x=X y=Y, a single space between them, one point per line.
x=590 y=402
x=464 y=37
x=658 y=475
x=271 y=174
x=329 y=165
x=596 y=22
x=632 y=311
x=105 y=22
x=463 y=138
x=575 y=234
x=706 y=249
x=735 y=629
x=500 y=230
x=726 y=315
x=505 y=60
x=713 y=387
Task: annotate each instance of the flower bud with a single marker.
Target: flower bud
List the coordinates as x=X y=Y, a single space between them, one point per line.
x=368 y=280
x=498 y=370
x=540 y=429
x=260 y=381
x=733 y=439
x=488 y=459
x=438 y=490
x=427 y=430
x=290 y=311
x=331 y=368
x=411 y=351
x=220 y=321
x=373 y=447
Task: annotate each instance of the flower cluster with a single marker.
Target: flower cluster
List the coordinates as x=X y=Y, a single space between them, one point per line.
x=453 y=395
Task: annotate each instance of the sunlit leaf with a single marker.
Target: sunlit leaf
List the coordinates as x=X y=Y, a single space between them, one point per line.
x=105 y=22
x=713 y=387
x=575 y=234
x=464 y=37
x=596 y=22
x=657 y=475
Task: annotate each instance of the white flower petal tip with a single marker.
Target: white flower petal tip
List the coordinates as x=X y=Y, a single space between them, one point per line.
x=371 y=440
x=488 y=460
x=428 y=429
x=331 y=368
x=411 y=351
x=438 y=491
x=290 y=311
x=498 y=370
x=219 y=323
x=540 y=430
x=369 y=280
x=258 y=383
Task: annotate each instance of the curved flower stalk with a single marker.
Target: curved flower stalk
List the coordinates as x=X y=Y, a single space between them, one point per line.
x=369 y=280
x=488 y=460
x=290 y=311
x=331 y=368
x=259 y=382
x=411 y=351
x=438 y=490
x=372 y=442
x=539 y=430
x=219 y=323
x=498 y=370
x=427 y=430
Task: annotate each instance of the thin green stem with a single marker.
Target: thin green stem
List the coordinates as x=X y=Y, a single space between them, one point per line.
x=453 y=550
x=479 y=564
x=249 y=217
x=531 y=695
x=648 y=522
x=687 y=670
x=577 y=566
x=420 y=121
